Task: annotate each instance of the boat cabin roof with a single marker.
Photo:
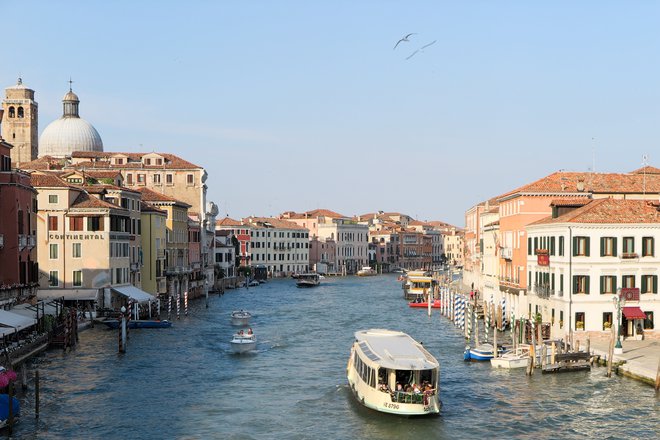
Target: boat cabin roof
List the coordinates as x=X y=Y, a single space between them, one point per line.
x=421 y=279
x=394 y=350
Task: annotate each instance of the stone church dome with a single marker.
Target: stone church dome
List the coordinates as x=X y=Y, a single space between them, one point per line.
x=70 y=132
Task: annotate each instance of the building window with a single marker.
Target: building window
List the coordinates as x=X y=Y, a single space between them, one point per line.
x=581 y=284
x=129 y=179
x=607 y=284
x=649 y=284
x=648 y=322
x=94 y=223
x=156 y=178
x=648 y=247
x=12 y=112
x=628 y=246
x=53 y=251
x=52 y=223
x=147 y=161
x=77 y=278
x=607 y=320
x=53 y=279
x=52 y=198
x=141 y=179
x=190 y=179
x=579 y=320
x=580 y=246
x=608 y=247
x=75 y=223
x=21 y=112
x=561 y=245
x=169 y=179
x=76 y=250
x=628 y=281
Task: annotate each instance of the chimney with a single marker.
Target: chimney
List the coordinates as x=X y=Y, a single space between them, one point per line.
x=580 y=185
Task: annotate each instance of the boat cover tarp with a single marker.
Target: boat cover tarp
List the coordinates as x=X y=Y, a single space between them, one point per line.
x=133 y=292
x=4 y=407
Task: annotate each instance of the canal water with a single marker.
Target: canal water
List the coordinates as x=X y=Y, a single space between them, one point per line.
x=184 y=383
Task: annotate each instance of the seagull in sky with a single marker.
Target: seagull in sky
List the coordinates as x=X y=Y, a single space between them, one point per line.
x=403 y=39
x=421 y=49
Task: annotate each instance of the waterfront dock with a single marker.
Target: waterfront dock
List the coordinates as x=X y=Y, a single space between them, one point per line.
x=640 y=358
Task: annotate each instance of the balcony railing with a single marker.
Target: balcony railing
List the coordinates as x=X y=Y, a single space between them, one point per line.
x=22 y=241
x=507 y=253
x=543 y=290
x=629 y=256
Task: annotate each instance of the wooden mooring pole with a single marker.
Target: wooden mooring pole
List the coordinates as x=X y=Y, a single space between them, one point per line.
x=36 y=394
x=610 y=354
x=657 y=378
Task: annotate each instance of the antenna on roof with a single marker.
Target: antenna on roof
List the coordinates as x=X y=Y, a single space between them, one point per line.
x=645 y=163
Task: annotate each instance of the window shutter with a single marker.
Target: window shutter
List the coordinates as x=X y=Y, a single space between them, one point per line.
x=575 y=246
x=552 y=246
x=575 y=284
x=644 y=283
x=586 y=285
x=614 y=246
x=529 y=245
x=602 y=283
x=561 y=246
x=553 y=281
x=586 y=246
x=655 y=284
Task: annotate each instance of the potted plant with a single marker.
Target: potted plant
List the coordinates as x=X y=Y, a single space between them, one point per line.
x=561 y=323
x=607 y=325
x=579 y=325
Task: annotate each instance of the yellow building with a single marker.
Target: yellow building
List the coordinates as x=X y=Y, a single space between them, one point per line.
x=154 y=227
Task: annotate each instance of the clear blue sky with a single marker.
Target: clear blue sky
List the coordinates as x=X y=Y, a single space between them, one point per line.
x=294 y=105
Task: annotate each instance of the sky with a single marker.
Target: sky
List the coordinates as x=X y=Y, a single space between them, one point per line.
x=297 y=105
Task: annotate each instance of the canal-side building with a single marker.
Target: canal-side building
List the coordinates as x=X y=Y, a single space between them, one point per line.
x=242 y=232
x=587 y=253
x=18 y=232
x=20 y=123
x=225 y=258
x=195 y=256
x=154 y=241
x=453 y=238
x=83 y=242
x=177 y=266
x=386 y=242
x=281 y=246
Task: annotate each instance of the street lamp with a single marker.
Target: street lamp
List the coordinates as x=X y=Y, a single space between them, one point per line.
x=619 y=302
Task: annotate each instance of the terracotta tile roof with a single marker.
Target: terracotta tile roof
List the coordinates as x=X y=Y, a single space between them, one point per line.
x=156 y=197
x=611 y=211
x=324 y=213
x=84 y=200
x=148 y=207
x=171 y=161
x=47 y=180
x=43 y=163
x=608 y=183
x=274 y=222
x=571 y=201
x=227 y=221
x=647 y=169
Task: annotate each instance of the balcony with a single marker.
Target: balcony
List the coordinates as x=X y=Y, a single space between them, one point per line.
x=22 y=241
x=543 y=291
x=507 y=253
x=32 y=241
x=135 y=267
x=629 y=256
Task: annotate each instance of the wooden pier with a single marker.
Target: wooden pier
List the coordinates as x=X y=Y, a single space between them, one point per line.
x=575 y=361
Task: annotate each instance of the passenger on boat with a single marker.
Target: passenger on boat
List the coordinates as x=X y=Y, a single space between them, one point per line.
x=249 y=331
x=241 y=332
x=399 y=387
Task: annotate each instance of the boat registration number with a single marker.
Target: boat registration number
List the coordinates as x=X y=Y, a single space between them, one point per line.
x=391 y=405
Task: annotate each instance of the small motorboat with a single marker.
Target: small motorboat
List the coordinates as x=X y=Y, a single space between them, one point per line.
x=139 y=323
x=434 y=305
x=366 y=271
x=512 y=359
x=308 y=280
x=482 y=352
x=243 y=342
x=240 y=317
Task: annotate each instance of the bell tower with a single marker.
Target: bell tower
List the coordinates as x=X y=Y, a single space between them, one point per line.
x=20 y=123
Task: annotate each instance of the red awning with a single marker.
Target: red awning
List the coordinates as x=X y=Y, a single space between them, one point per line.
x=633 y=313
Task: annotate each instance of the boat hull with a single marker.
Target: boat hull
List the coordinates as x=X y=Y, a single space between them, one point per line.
x=434 y=305
x=509 y=363
x=114 y=324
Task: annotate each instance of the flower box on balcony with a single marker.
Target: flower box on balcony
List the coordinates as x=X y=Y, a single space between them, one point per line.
x=629 y=255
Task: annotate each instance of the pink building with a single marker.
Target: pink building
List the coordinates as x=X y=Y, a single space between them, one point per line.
x=18 y=254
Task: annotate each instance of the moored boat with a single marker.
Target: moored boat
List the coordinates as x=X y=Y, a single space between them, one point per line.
x=417 y=285
x=435 y=304
x=243 y=342
x=366 y=271
x=389 y=371
x=482 y=352
x=240 y=317
x=517 y=358
x=139 y=323
x=308 y=280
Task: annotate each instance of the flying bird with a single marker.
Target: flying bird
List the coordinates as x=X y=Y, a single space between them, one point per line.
x=421 y=49
x=403 y=39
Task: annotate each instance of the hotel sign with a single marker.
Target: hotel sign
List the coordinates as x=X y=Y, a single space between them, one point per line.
x=76 y=236
x=542 y=257
x=630 y=293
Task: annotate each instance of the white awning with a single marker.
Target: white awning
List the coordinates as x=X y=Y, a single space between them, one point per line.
x=15 y=321
x=30 y=311
x=68 y=294
x=133 y=292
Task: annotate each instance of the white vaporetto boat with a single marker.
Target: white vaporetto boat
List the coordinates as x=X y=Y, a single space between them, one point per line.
x=391 y=372
x=242 y=342
x=240 y=317
x=308 y=280
x=366 y=271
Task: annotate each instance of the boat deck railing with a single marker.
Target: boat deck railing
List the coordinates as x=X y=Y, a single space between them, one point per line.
x=411 y=397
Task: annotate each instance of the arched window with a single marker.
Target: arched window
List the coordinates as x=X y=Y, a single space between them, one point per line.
x=20 y=112
x=12 y=112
